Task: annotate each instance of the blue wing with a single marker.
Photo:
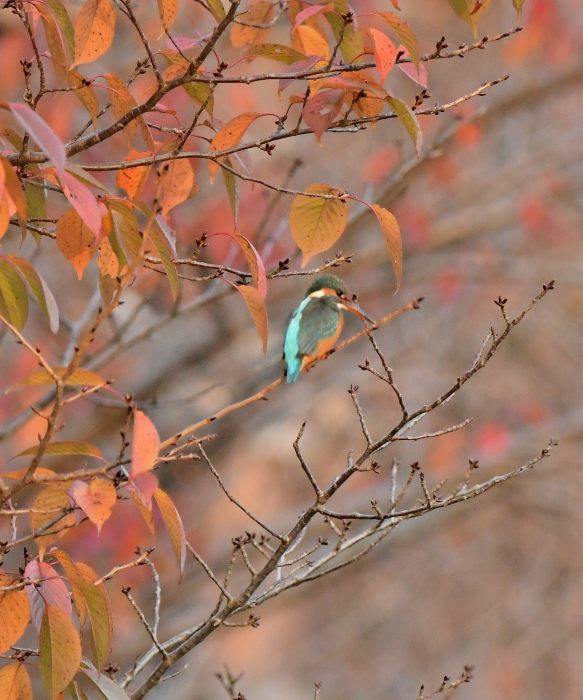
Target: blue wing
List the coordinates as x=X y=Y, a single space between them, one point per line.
x=313 y=320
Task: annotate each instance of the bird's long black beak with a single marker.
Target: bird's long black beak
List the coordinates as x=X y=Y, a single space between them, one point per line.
x=357 y=310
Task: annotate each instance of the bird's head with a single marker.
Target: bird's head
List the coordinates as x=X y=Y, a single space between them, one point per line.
x=332 y=286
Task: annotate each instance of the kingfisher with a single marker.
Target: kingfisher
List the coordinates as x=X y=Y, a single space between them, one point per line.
x=315 y=325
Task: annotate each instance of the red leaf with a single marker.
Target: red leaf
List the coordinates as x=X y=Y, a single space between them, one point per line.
x=145 y=444
x=322 y=109
x=48 y=589
x=385 y=52
x=41 y=132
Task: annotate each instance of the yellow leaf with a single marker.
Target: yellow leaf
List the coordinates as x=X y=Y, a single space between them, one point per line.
x=173 y=524
x=145 y=444
x=317 y=223
x=50 y=503
x=79 y=377
x=392 y=234
x=94 y=30
x=75 y=581
x=15 y=682
x=258 y=14
x=14 y=614
x=107 y=260
x=256 y=305
x=59 y=650
x=75 y=240
x=99 y=609
x=175 y=184
x=230 y=135
x=310 y=42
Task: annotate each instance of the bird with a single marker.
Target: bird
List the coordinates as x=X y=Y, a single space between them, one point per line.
x=314 y=326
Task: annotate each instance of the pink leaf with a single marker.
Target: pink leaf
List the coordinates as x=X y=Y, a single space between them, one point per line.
x=144 y=485
x=145 y=444
x=419 y=76
x=253 y=259
x=41 y=132
x=310 y=11
x=298 y=67
x=321 y=110
x=48 y=589
x=83 y=201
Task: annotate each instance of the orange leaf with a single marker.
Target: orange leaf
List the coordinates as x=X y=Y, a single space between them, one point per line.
x=145 y=444
x=385 y=52
x=175 y=184
x=15 y=682
x=96 y=499
x=94 y=30
x=392 y=234
x=107 y=260
x=317 y=223
x=229 y=136
x=257 y=309
x=168 y=10
x=121 y=102
x=14 y=614
x=75 y=240
x=133 y=179
x=59 y=650
x=259 y=13
x=174 y=526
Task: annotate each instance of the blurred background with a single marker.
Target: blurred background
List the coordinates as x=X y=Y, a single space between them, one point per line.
x=497 y=210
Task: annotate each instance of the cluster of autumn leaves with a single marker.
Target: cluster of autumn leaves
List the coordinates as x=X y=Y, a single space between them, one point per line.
x=43 y=591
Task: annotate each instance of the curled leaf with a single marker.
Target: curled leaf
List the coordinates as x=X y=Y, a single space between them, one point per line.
x=257 y=309
x=392 y=233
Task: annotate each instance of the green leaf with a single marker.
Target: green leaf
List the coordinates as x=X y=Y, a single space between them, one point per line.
x=13 y=295
x=518 y=4
x=352 y=44
x=40 y=291
x=232 y=190
x=99 y=609
x=278 y=52
x=409 y=120
x=406 y=35
x=59 y=650
x=216 y=7
x=66 y=448
x=162 y=246
x=79 y=377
